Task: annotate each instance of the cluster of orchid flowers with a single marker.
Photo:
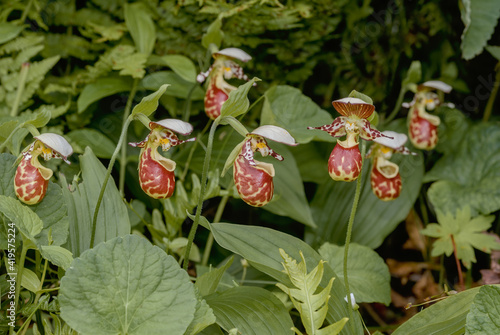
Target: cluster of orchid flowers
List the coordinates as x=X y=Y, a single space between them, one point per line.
x=254 y=179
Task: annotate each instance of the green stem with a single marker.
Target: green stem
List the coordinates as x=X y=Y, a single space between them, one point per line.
x=123 y=158
x=19 y=277
x=187 y=104
x=191 y=152
x=106 y=178
x=37 y=297
x=397 y=107
x=23 y=74
x=204 y=176
x=349 y=233
x=210 y=240
x=493 y=95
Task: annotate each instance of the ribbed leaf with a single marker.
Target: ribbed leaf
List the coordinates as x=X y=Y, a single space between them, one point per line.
x=237 y=103
x=252 y=310
x=446 y=317
x=141 y=27
x=102 y=88
x=81 y=200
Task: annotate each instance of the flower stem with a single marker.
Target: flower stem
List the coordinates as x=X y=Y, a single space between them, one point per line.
x=397 y=107
x=106 y=178
x=191 y=152
x=204 y=177
x=123 y=158
x=349 y=233
x=210 y=240
x=19 y=276
x=493 y=95
x=23 y=74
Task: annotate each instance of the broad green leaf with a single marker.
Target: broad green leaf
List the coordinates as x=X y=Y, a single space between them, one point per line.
x=112 y=220
x=253 y=310
x=127 y=286
x=58 y=256
x=53 y=212
x=100 y=144
x=484 y=315
x=480 y=18
x=494 y=51
x=6 y=129
x=375 y=219
x=149 y=104
x=453 y=125
x=207 y=283
x=103 y=87
x=311 y=303
x=289 y=195
x=180 y=88
x=30 y=281
x=203 y=316
x=181 y=65
x=40 y=119
x=446 y=317
x=28 y=223
x=470 y=175
x=369 y=277
x=310 y=159
x=9 y=31
x=260 y=246
x=287 y=107
x=141 y=27
x=237 y=103
x=213 y=35
x=7 y=173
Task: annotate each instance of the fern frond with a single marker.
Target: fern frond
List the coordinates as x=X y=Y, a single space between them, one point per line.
x=20 y=43
x=312 y=306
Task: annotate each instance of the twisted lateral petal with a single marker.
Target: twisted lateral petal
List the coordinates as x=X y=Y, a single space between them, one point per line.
x=336 y=129
x=353 y=106
x=31 y=180
x=385 y=179
x=234 y=53
x=345 y=162
x=367 y=132
x=275 y=133
x=175 y=125
x=57 y=143
x=254 y=183
x=156 y=173
x=422 y=129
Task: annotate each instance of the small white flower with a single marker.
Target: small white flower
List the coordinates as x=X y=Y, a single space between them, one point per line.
x=353 y=301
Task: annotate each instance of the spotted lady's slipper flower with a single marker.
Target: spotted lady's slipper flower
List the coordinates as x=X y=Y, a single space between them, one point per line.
x=223 y=68
x=345 y=160
x=423 y=126
x=254 y=179
x=385 y=178
x=156 y=173
x=32 y=178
